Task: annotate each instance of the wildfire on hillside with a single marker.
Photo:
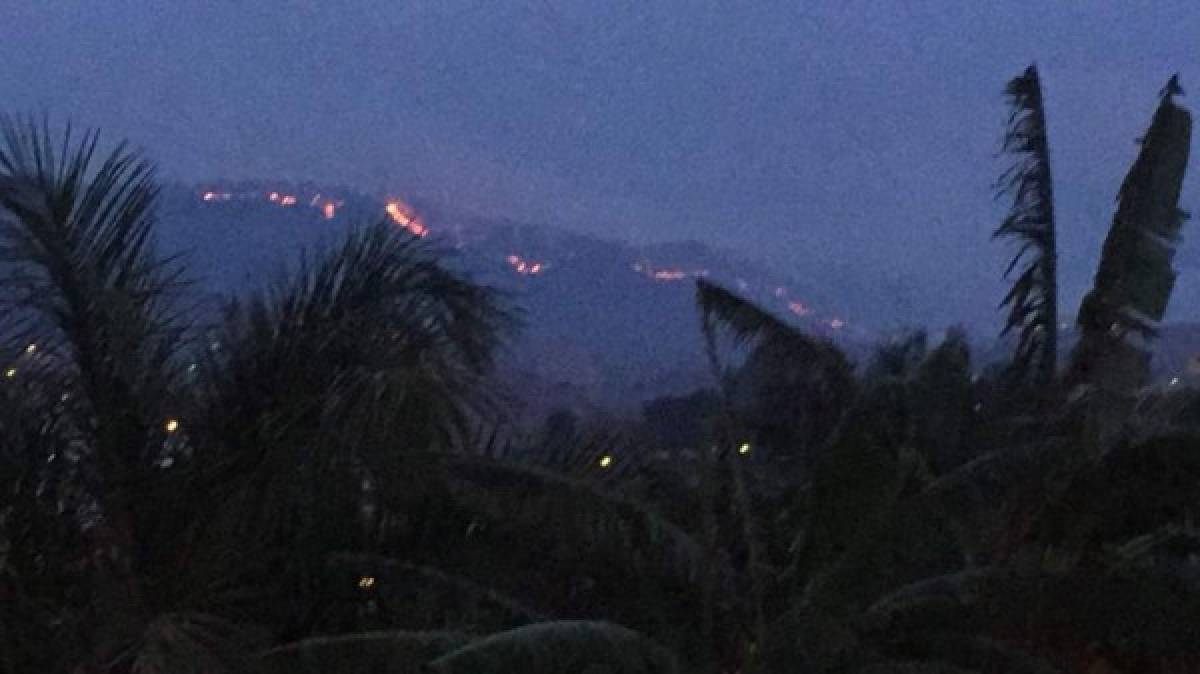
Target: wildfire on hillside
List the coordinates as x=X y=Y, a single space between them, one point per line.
x=404 y=215
x=327 y=206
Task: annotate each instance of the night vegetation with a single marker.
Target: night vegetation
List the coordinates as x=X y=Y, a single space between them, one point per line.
x=318 y=478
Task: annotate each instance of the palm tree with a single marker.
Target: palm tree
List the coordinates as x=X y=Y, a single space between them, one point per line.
x=1134 y=280
x=194 y=497
x=1033 y=299
x=913 y=556
x=194 y=456
x=318 y=478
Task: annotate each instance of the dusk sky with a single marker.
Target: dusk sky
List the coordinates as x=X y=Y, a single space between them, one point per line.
x=852 y=136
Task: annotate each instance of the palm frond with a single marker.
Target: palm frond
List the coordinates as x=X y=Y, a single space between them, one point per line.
x=393 y=651
x=855 y=484
x=1148 y=486
x=898 y=356
x=927 y=667
x=959 y=652
x=427 y=575
x=536 y=499
x=1127 y=612
x=191 y=643
x=750 y=324
x=1033 y=299
x=371 y=351
x=941 y=387
x=564 y=646
x=82 y=278
x=83 y=286
x=783 y=363
x=1134 y=280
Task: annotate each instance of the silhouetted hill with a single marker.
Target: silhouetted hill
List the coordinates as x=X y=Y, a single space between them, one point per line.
x=605 y=317
x=608 y=323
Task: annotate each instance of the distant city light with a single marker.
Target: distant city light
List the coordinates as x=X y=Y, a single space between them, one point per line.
x=366 y=582
x=31 y=348
x=172 y=425
x=524 y=267
x=798 y=308
x=606 y=461
x=744 y=449
x=10 y=372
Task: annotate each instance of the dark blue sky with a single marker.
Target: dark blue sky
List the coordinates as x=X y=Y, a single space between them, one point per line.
x=819 y=135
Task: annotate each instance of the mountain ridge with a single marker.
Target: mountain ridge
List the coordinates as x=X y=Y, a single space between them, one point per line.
x=608 y=322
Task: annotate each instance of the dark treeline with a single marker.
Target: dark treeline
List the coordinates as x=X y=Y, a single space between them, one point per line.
x=322 y=480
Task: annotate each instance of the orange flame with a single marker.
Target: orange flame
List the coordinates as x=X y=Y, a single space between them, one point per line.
x=403 y=215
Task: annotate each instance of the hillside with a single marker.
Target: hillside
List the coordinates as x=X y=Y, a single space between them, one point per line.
x=605 y=320
x=608 y=324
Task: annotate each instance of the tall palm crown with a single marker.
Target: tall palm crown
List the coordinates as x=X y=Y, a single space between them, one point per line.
x=1033 y=300
x=203 y=459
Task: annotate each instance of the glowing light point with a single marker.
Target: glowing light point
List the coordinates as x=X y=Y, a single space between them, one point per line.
x=403 y=216
x=172 y=425
x=837 y=324
x=10 y=372
x=274 y=196
x=31 y=348
x=366 y=582
x=328 y=210
x=287 y=200
x=744 y=449
x=1174 y=381
x=606 y=461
